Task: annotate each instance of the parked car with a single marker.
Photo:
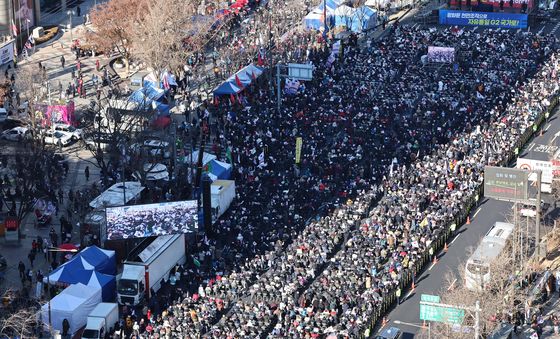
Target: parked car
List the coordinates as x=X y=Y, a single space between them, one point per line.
x=75 y=132
x=15 y=134
x=155 y=147
x=57 y=137
x=531 y=211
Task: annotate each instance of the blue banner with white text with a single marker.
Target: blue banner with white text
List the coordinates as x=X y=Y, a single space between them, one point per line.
x=482 y=19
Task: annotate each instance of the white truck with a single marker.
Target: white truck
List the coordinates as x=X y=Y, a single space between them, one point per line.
x=149 y=268
x=101 y=320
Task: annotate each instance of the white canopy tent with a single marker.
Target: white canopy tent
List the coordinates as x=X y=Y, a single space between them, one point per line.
x=74 y=304
x=193 y=158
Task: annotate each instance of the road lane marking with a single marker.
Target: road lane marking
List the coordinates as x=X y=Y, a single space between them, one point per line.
x=475 y=213
x=432 y=266
x=408 y=295
x=547 y=127
x=452 y=241
x=539 y=32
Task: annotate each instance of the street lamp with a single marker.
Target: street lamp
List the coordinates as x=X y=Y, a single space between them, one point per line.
x=70 y=14
x=398 y=322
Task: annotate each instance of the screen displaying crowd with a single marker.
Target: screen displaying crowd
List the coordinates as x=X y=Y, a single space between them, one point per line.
x=139 y=221
x=441 y=54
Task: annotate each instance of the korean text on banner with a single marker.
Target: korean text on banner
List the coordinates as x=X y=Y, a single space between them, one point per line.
x=483 y=19
x=299 y=143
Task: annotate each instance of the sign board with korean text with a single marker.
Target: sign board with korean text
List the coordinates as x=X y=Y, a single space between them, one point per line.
x=441 y=313
x=300 y=71
x=547 y=168
x=430 y=298
x=483 y=19
x=507 y=184
x=11 y=225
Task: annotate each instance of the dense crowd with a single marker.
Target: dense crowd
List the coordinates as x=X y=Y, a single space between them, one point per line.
x=376 y=122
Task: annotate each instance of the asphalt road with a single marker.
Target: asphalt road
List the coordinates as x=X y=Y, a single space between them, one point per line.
x=430 y=281
x=542 y=147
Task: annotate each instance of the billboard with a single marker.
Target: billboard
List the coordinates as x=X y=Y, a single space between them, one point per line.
x=482 y=19
x=441 y=54
x=503 y=183
x=139 y=221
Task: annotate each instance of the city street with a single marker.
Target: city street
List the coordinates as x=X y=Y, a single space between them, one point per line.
x=468 y=237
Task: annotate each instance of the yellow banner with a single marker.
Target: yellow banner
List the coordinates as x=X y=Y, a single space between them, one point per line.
x=299 y=143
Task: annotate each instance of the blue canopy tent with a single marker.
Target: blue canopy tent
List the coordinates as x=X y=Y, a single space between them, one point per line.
x=344 y=16
x=107 y=283
x=68 y=273
x=364 y=18
x=218 y=170
x=103 y=261
x=246 y=76
x=314 y=20
x=331 y=5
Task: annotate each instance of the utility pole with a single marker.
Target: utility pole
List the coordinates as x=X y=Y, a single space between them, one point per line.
x=279 y=98
x=538 y=216
x=477 y=320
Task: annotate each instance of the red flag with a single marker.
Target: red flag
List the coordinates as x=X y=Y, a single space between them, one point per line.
x=232 y=99
x=237 y=81
x=259 y=60
x=239 y=99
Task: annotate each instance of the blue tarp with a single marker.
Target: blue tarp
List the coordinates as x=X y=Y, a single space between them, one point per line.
x=102 y=260
x=245 y=75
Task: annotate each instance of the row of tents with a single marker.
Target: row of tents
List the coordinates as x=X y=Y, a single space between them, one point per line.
x=89 y=279
x=339 y=15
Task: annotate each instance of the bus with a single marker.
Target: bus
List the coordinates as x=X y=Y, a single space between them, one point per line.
x=477 y=270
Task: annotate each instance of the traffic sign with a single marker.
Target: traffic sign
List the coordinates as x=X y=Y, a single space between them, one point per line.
x=441 y=313
x=430 y=298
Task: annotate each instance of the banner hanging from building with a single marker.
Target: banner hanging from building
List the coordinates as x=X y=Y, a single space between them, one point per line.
x=482 y=19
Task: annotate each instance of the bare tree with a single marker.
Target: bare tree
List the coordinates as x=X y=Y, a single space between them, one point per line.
x=113 y=23
x=166 y=34
x=17 y=320
x=32 y=86
x=115 y=126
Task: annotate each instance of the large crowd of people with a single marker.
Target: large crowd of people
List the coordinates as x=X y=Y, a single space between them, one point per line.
x=376 y=124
